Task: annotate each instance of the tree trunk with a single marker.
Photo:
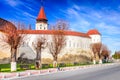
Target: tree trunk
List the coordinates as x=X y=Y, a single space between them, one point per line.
x=38 y=60
x=13 y=66
x=13 y=59
x=94 y=61
x=38 y=64
x=55 y=62
x=100 y=60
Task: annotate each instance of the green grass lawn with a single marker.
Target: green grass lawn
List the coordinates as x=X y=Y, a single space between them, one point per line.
x=6 y=67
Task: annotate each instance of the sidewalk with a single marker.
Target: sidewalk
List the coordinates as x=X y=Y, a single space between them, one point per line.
x=4 y=76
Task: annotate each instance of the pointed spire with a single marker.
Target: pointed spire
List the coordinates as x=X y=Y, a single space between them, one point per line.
x=41 y=15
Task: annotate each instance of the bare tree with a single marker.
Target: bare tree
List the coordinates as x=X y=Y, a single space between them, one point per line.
x=38 y=46
x=58 y=40
x=105 y=52
x=14 y=38
x=94 y=53
x=96 y=48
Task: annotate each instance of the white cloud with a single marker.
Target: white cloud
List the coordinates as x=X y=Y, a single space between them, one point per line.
x=13 y=3
x=110 y=35
x=108 y=29
x=72 y=12
x=28 y=15
x=76 y=7
x=96 y=15
x=107 y=22
x=113 y=43
x=16 y=3
x=17 y=6
x=76 y=19
x=28 y=7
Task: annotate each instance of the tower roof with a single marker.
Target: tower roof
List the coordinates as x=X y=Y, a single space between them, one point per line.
x=93 y=31
x=41 y=15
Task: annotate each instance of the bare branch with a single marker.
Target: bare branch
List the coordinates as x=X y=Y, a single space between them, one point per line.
x=38 y=45
x=58 y=39
x=13 y=37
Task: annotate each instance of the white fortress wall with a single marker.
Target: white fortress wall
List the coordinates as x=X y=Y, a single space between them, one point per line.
x=96 y=38
x=3 y=46
x=73 y=45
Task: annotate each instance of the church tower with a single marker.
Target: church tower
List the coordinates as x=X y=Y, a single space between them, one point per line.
x=41 y=21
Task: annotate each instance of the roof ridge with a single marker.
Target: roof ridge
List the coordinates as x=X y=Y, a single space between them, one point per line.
x=72 y=33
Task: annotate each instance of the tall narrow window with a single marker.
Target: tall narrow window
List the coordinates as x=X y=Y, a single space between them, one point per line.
x=77 y=45
x=69 y=43
x=74 y=45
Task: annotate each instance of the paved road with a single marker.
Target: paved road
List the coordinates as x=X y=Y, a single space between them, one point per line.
x=111 y=72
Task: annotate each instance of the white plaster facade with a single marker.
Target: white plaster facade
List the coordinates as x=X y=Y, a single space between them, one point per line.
x=73 y=43
x=41 y=26
x=95 y=38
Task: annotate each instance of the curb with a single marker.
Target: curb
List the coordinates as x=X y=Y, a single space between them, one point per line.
x=48 y=71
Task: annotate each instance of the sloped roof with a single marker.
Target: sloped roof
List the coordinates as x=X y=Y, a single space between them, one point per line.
x=41 y=15
x=71 y=33
x=93 y=31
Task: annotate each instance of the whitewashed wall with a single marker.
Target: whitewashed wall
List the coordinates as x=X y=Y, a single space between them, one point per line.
x=4 y=48
x=41 y=26
x=95 y=38
x=72 y=43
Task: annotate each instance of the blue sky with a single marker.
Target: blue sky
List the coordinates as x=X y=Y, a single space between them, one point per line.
x=82 y=15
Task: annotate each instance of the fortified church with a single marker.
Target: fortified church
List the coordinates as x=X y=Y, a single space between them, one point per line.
x=76 y=41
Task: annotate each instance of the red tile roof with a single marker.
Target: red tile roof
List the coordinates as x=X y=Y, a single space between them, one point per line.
x=41 y=15
x=71 y=33
x=93 y=31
